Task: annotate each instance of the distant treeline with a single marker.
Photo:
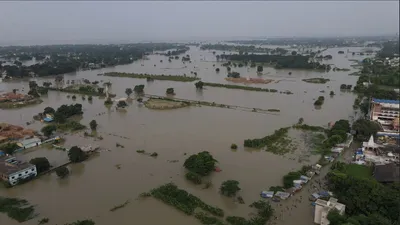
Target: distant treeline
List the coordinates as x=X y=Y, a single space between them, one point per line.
x=280 y=61
x=60 y=59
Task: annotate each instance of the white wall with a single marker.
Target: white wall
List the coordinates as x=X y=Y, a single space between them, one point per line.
x=13 y=178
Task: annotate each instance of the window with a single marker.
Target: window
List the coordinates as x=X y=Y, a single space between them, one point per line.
x=32 y=169
x=12 y=177
x=26 y=172
x=19 y=175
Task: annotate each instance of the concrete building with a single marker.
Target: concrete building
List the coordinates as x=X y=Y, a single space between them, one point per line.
x=13 y=170
x=323 y=207
x=386 y=112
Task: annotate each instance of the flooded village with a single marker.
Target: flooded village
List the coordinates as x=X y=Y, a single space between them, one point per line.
x=275 y=131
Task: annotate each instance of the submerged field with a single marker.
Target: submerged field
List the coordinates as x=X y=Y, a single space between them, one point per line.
x=97 y=185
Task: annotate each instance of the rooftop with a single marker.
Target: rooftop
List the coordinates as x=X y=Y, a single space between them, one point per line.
x=387 y=173
x=10 y=165
x=376 y=100
x=29 y=141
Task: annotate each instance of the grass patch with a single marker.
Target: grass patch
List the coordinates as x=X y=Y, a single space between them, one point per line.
x=358 y=171
x=277 y=143
x=182 y=200
x=153 y=76
x=306 y=127
x=70 y=125
x=241 y=87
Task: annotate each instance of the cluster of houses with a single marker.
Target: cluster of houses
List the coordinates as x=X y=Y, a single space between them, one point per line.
x=297 y=186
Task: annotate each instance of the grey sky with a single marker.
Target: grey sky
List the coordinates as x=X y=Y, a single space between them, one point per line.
x=107 y=22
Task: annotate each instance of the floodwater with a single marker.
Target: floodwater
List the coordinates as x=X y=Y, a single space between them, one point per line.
x=97 y=185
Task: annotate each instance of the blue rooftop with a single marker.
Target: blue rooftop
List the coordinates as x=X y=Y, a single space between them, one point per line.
x=48 y=119
x=386 y=101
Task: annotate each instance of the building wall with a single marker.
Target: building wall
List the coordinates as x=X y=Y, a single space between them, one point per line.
x=13 y=178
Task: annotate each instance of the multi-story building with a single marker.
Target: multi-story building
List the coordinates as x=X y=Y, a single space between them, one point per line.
x=387 y=113
x=323 y=207
x=13 y=170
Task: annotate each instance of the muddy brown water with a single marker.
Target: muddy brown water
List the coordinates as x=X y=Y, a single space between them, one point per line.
x=96 y=185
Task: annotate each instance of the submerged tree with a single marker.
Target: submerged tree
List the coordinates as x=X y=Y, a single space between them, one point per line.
x=199 y=85
x=230 y=188
x=128 y=92
x=93 y=125
x=42 y=164
x=139 y=89
x=62 y=171
x=76 y=154
x=48 y=130
x=260 y=69
x=202 y=163
x=170 y=91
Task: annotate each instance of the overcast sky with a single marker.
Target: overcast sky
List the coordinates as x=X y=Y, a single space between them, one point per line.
x=110 y=22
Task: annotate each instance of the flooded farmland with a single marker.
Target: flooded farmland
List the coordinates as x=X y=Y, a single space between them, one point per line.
x=96 y=185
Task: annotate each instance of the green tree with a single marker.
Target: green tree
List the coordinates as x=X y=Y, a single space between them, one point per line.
x=59 y=117
x=9 y=148
x=42 y=164
x=199 y=85
x=217 y=70
x=294 y=53
x=260 y=68
x=48 y=130
x=33 y=85
x=335 y=218
x=230 y=188
x=47 y=84
x=128 y=92
x=34 y=93
x=139 y=89
x=121 y=104
x=100 y=90
x=48 y=110
x=76 y=154
x=93 y=125
x=62 y=171
x=364 y=129
x=170 y=91
x=202 y=163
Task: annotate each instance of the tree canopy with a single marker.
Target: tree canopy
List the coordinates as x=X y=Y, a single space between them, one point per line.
x=48 y=130
x=93 y=125
x=42 y=164
x=202 y=163
x=229 y=188
x=364 y=129
x=76 y=154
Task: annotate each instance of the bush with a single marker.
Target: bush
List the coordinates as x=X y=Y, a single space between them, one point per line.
x=193 y=177
x=229 y=188
x=234 y=146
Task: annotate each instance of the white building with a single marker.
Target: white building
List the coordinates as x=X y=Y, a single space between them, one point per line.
x=322 y=208
x=13 y=170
